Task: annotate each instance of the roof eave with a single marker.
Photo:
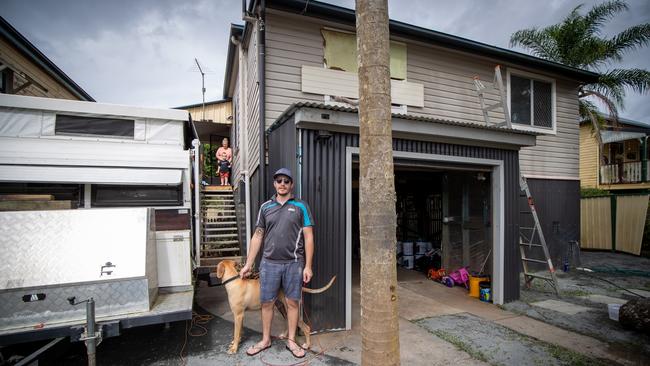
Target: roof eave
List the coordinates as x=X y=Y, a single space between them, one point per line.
x=30 y=51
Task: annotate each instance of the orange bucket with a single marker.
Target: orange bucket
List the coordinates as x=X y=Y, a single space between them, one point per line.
x=474 y=284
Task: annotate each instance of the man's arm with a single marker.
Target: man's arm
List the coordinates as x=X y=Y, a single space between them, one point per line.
x=256 y=243
x=308 y=233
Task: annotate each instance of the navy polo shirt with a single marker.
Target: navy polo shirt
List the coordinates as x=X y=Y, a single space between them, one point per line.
x=283 y=229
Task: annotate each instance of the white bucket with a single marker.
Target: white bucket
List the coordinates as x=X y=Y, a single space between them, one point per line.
x=408 y=248
x=421 y=247
x=408 y=261
x=613 y=309
x=398 y=247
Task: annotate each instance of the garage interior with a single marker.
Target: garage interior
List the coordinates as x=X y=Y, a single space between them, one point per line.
x=446 y=205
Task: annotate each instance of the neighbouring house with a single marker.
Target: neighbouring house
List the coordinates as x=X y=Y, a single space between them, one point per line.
x=24 y=70
x=212 y=121
x=620 y=167
x=621 y=164
x=457 y=178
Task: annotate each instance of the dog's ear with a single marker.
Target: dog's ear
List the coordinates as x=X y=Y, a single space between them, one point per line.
x=220 y=270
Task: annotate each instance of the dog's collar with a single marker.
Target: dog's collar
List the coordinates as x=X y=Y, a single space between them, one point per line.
x=223 y=283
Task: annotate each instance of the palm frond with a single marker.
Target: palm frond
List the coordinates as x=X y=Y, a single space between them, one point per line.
x=589 y=112
x=596 y=17
x=611 y=106
x=538 y=41
x=637 y=80
x=628 y=40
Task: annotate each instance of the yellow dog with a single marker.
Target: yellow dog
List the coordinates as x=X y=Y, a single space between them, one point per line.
x=244 y=294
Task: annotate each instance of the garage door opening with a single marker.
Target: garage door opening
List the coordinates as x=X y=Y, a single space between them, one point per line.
x=443 y=207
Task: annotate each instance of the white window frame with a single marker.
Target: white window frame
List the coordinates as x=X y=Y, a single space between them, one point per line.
x=533 y=128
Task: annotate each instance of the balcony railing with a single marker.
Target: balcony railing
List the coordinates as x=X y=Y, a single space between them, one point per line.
x=629 y=172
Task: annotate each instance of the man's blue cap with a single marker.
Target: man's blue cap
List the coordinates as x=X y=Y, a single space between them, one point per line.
x=283 y=171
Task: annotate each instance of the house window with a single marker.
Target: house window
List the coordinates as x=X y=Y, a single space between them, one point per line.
x=340 y=51
x=94 y=126
x=532 y=101
x=136 y=196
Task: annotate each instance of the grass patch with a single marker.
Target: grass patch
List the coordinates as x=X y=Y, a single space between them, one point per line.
x=458 y=343
x=574 y=293
x=572 y=358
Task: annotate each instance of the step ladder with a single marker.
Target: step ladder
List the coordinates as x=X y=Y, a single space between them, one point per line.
x=219 y=227
x=532 y=238
x=497 y=84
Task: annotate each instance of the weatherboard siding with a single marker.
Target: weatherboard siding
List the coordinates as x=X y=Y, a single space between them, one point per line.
x=19 y=63
x=588 y=158
x=449 y=92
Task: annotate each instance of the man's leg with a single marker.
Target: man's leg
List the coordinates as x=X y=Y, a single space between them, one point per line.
x=292 y=319
x=270 y=280
x=292 y=285
x=267 y=319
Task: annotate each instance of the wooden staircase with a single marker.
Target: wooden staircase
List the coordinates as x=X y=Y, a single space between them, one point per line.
x=219 y=230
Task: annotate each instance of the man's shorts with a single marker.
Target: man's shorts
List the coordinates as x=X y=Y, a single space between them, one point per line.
x=276 y=275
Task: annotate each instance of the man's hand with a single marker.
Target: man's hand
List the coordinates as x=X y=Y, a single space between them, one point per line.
x=245 y=271
x=307 y=275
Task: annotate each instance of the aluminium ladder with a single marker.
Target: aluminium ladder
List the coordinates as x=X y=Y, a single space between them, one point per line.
x=527 y=239
x=497 y=84
x=527 y=234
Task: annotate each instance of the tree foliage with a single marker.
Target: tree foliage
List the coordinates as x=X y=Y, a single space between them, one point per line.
x=577 y=41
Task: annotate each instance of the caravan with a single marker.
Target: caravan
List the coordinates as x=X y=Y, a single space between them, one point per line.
x=96 y=205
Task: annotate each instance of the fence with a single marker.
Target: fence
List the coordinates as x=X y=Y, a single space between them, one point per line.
x=613 y=223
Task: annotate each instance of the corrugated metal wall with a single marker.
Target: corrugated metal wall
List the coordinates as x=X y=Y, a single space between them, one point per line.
x=558 y=207
x=282 y=149
x=323 y=187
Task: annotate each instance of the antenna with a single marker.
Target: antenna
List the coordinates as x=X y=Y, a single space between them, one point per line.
x=202 y=86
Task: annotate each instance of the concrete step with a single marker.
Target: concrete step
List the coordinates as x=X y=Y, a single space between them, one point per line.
x=218 y=242
x=222 y=217
x=220 y=250
x=219 y=223
x=219 y=235
x=220 y=229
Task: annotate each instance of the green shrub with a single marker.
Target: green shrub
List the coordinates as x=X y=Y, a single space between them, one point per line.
x=593 y=192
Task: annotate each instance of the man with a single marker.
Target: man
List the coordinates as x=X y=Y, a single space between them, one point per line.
x=285 y=229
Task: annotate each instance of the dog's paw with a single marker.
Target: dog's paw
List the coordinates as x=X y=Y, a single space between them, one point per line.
x=306 y=346
x=232 y=349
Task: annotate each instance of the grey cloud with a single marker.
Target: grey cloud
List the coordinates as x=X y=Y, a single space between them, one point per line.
x=140 y=52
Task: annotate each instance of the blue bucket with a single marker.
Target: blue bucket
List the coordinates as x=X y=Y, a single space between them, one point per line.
x=485 y=292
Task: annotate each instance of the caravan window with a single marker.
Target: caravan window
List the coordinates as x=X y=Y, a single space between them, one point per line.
x=95 y=126
x=136 y=196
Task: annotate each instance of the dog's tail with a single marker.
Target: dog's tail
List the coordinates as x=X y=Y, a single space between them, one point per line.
x=319 y=290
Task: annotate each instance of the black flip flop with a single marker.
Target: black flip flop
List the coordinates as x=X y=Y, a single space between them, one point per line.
x=258 y=349
x=293 y=353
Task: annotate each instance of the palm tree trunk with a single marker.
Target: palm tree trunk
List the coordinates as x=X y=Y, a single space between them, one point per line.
x=379 y=325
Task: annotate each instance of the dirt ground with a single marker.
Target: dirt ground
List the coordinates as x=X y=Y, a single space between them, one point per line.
x=616 y=278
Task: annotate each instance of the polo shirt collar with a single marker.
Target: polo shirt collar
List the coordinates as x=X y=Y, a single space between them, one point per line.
x=275 y=199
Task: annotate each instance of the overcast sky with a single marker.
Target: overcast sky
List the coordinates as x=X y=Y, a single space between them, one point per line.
x=141 y=52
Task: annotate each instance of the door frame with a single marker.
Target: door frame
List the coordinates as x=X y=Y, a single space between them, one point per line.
x=498 y=217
